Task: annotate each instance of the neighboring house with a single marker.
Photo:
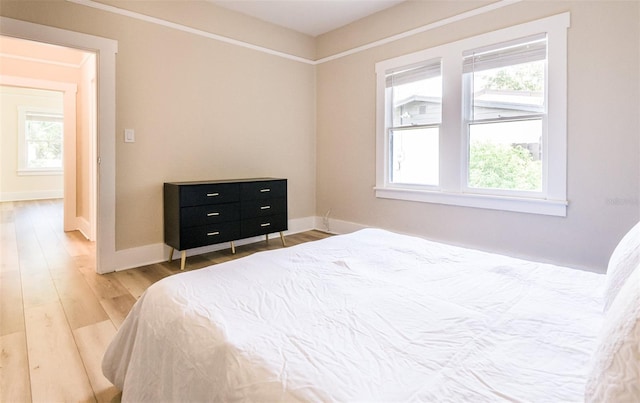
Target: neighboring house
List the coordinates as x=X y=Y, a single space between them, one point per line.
x=418 y=110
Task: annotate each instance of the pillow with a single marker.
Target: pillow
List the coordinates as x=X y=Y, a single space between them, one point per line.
x=615 y=374
x=623 y=261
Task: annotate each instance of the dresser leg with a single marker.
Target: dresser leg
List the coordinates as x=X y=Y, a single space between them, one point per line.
x=282 y=239
x=171 y=255
x=233 y=248
x=183 y=259
x=266 y=237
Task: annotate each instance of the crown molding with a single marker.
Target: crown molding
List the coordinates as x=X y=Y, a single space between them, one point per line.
x=221 y=38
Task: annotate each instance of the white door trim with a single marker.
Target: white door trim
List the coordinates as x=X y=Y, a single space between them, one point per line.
x=106 y=123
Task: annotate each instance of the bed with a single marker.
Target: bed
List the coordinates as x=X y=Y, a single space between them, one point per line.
x=378 y=316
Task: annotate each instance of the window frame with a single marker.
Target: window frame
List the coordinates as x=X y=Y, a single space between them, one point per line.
x=389 y=98
x=453 y=189
x=23 y=168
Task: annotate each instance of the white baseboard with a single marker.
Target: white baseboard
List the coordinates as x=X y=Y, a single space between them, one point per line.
x=159 y=252
x=83 y=225
x=34 y=195
x=333 y=226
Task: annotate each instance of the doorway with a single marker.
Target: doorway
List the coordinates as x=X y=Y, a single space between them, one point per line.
x=107 y=258
x=32 y=68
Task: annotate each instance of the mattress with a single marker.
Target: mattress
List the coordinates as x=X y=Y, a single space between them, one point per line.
x=367 y=316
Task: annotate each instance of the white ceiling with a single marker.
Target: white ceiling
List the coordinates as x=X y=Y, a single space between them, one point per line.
x=311 y=17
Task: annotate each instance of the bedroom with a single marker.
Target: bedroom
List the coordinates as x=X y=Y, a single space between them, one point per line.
x=187 y=97
x=218 y=84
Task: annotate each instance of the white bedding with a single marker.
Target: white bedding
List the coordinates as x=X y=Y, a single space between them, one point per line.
x=369 y=316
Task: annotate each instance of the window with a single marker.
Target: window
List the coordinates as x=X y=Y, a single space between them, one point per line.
x=480 y=122
x=414 y=104
x=505 y=109
x=40 y=143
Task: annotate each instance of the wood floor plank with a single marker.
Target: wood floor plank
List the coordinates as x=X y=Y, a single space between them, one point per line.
x=37 y=289
x=80 y=304
x=76 y=244
x=92 y=342
x=53 y=250
x=30 y=254
x=11 y=309
x=154 y=272
x=14 y=368
x=118 y=307
x=56 y=370
x=134 y=281
x=105 y=286
x=86 y=264
x=9 y=260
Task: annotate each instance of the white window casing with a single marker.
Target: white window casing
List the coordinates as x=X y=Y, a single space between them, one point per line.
x=453 y=145
x=26 y=114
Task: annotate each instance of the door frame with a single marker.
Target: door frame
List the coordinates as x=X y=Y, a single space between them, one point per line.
x=106 y=50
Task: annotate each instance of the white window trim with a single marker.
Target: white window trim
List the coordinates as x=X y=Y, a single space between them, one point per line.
x=452 y=148
x=23 y=169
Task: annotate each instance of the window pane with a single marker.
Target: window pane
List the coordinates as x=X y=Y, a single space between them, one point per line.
x=416 y=98
x=414 y=156
x=508 y=91
x=506 y=155
x=44 y=143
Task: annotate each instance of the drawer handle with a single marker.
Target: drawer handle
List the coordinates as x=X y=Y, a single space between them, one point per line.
x=213 y=194
x=265 y=224
x=213 y=233
x=265 y=207
x=212 y=214
x=265 y=190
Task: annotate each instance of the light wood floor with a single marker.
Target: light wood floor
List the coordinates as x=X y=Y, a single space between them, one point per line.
x=57 y=315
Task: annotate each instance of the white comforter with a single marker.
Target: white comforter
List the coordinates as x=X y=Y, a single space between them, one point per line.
x=369 y=316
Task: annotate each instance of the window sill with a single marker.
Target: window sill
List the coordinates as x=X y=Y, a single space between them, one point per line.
x=518 y=204
x=39 y=172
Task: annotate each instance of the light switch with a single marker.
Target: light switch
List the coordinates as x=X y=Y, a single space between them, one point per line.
x=129 y=136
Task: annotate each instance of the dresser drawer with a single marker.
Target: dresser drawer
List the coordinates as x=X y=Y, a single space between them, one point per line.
x=197 y=195
x=262 y=208
x=194 y=237
x=263 y=225
x=263 y=190
x=209 y=214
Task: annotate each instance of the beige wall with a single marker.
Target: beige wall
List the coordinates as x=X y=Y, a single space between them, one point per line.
x=603 y=127
x=200 y=108
x=12 y=185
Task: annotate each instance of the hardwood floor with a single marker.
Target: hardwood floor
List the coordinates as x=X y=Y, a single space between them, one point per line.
x=58 y=315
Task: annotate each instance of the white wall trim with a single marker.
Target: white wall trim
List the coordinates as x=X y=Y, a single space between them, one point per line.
x=33 y=195
x=337 y=227
x=159 y=252
x=421 y=29
x=550 y=207
x=380 y=42
x=84 y=226
x=184 y=28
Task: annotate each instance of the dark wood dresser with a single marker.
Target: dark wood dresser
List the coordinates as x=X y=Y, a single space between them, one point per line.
x=209 y=212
